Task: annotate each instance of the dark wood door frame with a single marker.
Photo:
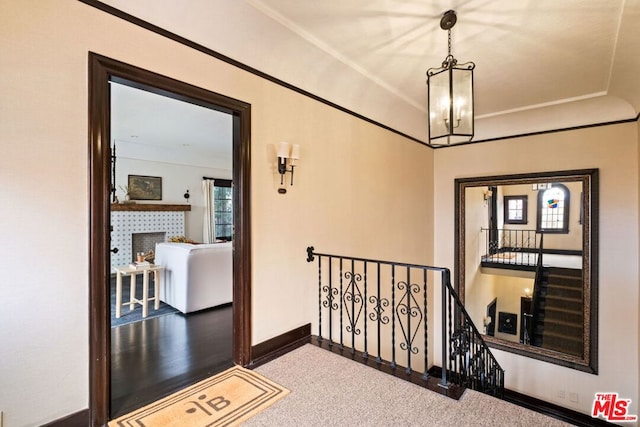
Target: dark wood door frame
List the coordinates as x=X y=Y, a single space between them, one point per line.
x=102 y=70
x=493 y=220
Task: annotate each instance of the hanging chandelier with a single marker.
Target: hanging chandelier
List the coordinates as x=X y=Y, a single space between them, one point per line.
x=450 y=95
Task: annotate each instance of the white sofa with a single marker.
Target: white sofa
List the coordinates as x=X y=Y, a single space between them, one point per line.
x=195 y=276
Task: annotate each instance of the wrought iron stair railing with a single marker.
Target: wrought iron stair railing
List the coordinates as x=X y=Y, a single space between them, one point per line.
x=511 y=247
x=380 y=310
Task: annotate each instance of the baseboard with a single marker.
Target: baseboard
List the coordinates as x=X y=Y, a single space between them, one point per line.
x=552 y=410
x=277 y=346
x=77 y=419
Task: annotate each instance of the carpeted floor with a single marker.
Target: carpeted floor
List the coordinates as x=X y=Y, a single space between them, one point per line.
x=330 y=390
x=135 y=315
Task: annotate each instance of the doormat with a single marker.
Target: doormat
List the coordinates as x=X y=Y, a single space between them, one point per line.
x=225 y=399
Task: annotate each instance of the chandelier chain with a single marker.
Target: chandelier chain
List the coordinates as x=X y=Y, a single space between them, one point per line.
x=449 y=61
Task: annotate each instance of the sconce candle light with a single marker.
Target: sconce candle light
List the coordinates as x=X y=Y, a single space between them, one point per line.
x=287 y=156
x=486 y=321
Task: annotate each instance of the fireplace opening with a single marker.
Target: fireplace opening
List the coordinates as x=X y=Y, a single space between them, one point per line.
x=145 y=242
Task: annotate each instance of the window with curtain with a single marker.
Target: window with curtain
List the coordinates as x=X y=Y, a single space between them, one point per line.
x=223 y=209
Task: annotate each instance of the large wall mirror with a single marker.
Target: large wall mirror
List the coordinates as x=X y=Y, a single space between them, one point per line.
x=526 y=263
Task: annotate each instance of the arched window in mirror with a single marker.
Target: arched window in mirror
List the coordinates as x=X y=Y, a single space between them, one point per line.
x=553 y=209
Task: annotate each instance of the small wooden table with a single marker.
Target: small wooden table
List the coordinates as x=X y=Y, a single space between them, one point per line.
x=132 y=272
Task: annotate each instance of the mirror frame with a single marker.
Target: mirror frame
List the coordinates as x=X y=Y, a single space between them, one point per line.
x=589 y=179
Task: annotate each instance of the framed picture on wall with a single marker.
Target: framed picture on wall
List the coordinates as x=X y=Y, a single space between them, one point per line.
x=145 y=187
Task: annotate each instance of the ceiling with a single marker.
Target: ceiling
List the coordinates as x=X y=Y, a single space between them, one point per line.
x=540 y=65
x=151 y=127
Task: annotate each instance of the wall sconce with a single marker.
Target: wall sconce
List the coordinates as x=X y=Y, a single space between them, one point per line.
x=486 y=195
x=527 y=293
x=486 y=321
x=287 y=156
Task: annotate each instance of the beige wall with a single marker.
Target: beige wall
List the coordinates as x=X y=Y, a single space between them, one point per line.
x=614 y=150
x=480 y=287
x=359 y=190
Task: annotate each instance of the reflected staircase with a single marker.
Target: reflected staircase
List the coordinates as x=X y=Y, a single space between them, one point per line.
x=558 y=312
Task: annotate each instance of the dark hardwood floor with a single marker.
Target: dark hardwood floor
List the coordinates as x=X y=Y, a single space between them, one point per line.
x=156 y=357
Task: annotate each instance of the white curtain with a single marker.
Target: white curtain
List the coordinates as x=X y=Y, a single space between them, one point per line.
x=209 y=222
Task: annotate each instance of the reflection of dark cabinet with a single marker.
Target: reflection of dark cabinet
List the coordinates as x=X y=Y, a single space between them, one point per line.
x=526 y=311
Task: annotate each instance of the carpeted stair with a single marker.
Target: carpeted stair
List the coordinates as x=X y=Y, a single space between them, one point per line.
x=559 y=319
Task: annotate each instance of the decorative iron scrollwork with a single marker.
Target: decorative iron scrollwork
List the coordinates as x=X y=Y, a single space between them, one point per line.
x=379 y=306
x=460 y=341
x=353 y=299
x=331 y=297
x=407 y=309
x=310 y=256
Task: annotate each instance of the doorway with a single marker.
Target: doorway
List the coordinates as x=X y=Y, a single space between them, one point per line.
x=102 y=71
x=162 y=149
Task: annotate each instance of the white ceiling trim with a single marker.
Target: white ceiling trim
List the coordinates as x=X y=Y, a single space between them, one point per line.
x=310 y=38
x=614 y=51
x=542 y=105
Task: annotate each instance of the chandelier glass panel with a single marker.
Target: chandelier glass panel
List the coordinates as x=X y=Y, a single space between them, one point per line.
x=450 y=96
